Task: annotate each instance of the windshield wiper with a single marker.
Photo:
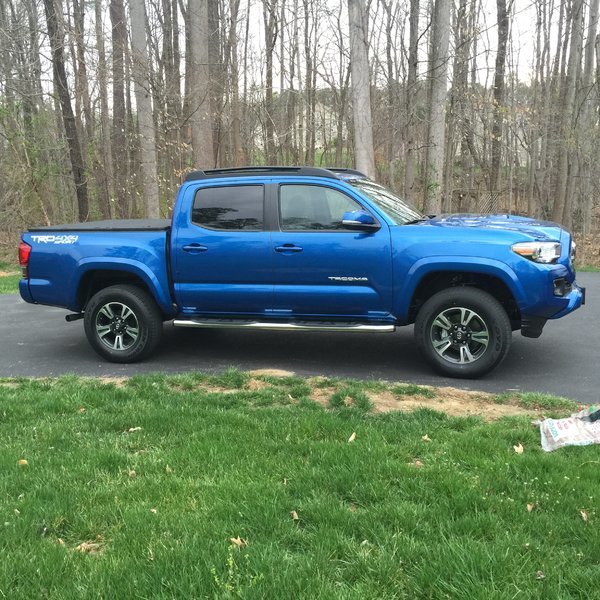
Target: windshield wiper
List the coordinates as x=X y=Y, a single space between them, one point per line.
x=423 y=218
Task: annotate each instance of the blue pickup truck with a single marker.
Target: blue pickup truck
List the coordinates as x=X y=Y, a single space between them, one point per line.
x=303 y=248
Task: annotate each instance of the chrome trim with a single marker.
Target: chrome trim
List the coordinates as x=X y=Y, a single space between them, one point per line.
x=287 y=326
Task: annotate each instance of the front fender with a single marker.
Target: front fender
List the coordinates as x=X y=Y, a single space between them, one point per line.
x=425 y=266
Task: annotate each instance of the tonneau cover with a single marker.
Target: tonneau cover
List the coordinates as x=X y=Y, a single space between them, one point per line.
x=110 y=225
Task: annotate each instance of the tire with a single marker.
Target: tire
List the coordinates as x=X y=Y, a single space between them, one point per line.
x=123 y=324
x=463 y=332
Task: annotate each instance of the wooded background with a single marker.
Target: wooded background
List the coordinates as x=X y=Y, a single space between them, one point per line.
x=105 y=105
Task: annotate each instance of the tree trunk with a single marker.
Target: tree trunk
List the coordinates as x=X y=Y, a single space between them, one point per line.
x=270 y=24
x=561 y=205
x=411 y=95
x=198 y=101
x=68 y=118
x=143 y=102
x=361 y=88
x=106 y=183
x=119 y=137
x=436 y=125
x=238 y=152
x=496 y=155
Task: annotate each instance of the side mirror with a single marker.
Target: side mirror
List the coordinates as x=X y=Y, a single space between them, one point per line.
x=360 y=219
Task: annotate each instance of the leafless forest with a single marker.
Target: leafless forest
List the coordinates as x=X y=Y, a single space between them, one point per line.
x=106 y=104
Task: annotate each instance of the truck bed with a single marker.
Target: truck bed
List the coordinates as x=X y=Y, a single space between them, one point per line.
x=110 y=225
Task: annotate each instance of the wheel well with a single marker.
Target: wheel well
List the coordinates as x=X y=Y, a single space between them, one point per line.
x=440 y=280
x=94 y=281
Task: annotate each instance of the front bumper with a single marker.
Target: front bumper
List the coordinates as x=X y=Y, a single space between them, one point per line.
x=576 y=298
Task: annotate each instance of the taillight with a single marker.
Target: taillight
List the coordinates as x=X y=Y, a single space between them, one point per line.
x=24 y=252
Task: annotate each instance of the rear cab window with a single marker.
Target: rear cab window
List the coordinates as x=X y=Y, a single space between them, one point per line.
x=230 y=208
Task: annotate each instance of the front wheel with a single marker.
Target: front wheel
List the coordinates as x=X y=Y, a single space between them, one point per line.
x=463 y=332
x=123 y=323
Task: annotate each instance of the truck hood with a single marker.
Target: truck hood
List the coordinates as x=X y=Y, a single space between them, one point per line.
x=538 y=230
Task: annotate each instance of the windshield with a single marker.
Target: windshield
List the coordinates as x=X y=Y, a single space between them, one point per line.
x=396 y=209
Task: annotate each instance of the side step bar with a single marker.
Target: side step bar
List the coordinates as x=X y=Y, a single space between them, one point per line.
x=285 y=326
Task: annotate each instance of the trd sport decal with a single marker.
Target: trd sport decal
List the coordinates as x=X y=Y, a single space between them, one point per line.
x=55 y=239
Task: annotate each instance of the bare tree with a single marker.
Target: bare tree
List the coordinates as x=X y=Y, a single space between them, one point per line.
x=64 y=96
x=436 y=123
x=198 y=94
x=143 y=102
x=361 y=94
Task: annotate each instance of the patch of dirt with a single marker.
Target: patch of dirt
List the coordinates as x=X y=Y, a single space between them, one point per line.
x=449 y=400
x=8 y=273
x=12 y=385
x=117 y=381
x=322 y=395
x=256 y=384
x=271 y=373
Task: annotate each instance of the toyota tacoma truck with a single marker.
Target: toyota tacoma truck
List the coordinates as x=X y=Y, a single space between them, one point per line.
x=304 y=248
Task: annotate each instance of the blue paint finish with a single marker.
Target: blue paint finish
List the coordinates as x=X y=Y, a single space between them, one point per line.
x=56 y=270
x=274 y=274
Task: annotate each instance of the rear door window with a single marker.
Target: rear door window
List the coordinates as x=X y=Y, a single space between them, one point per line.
x=232 y=208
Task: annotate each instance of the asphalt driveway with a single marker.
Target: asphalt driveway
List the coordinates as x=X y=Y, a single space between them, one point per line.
x=565 y=361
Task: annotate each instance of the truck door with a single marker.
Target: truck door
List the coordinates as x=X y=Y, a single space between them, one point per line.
x=322 y=269
x=222 y=254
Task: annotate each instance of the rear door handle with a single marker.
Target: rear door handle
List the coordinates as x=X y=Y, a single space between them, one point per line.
x=288 y=248
x=194 y=248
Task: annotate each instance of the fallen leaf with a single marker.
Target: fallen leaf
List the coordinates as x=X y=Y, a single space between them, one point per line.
x=585 y=517
x=531 y=507
x=60 y=542
x=426 y=438
x=22 y=462
x=285 y=481
x=294 y=515
x=539 y=575
x=352 y=437
x=168 y=469
x=81 y=410
x=352 y=508
x=417 y=463
x=348 y=401
x=134 y=429
x=153 y=510
x=90 y=547
x=238 y=542
x=131 y=473
x=519 y=448
x=291 y=398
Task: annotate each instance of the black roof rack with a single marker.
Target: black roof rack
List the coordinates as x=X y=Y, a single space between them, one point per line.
x=348 y=172
x=245 y=171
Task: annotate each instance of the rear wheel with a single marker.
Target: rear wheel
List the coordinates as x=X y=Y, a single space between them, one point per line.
x=463 y=332
x=123 y=323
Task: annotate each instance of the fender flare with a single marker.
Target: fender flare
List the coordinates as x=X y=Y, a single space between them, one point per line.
x=467 y=264
x=159 y=290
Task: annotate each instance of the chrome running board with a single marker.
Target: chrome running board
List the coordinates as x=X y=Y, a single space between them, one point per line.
x=286 y=326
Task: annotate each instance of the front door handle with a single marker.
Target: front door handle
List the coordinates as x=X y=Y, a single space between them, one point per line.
x=288 y=248
x=194 y=248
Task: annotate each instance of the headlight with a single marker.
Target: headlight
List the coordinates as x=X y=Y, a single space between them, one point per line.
x=540 y=252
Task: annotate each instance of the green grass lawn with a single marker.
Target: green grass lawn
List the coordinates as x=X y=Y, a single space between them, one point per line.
x=588 y=269
x=136 y=489
x=9 y=279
